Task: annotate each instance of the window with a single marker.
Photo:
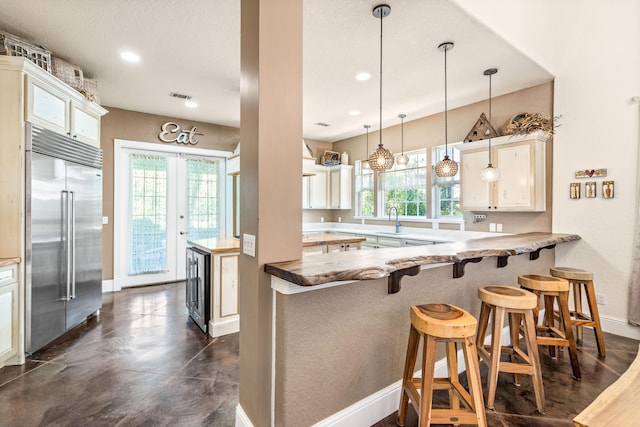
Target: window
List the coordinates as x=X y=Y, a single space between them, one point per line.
x=446 y=191
x=401 y=187
x=202 y=198
x=405 y=187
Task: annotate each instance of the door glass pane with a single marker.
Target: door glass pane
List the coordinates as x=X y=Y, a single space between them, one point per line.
x=148 y=214
x=202 y=198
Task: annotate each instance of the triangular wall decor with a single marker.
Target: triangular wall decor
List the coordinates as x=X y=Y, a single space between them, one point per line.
x=481 y=130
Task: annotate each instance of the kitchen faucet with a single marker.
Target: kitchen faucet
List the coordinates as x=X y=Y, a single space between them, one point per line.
x=397 y=221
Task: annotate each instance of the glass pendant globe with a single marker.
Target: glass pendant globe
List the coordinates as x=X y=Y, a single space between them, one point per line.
x=381 y=159
x=402 y=160
x=489 y=174
x=446 y=167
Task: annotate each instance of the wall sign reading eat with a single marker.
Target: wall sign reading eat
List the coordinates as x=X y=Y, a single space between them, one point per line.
x=171 y=132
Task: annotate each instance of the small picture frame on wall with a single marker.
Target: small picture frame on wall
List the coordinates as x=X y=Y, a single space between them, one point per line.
x=590 y=189
x=607 y=189
x=574 y=190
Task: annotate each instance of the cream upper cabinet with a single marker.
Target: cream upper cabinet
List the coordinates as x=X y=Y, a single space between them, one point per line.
x=522 y=182
x=329 y=188
x=57 y=107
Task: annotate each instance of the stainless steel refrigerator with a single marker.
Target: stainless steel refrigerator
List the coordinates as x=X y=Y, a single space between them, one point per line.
x=63 y=252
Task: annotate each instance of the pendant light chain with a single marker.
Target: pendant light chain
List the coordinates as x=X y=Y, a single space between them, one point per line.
x=446 y=167
x=490 y=173
x=381 y=17
x=446 y=109
x=490 y=162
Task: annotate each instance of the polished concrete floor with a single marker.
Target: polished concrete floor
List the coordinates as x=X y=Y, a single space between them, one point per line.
x=143 y=362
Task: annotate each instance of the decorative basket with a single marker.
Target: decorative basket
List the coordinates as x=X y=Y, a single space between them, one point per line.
x=68 y=73
x=11 y=45
x=90 y=89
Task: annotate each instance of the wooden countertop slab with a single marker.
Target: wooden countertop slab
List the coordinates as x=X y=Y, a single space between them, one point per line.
x=217 y=245
x=317 y=239
x=376 y=264
x=9 y=261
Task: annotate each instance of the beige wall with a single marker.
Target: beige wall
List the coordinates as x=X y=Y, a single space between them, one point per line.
x=429 y=132
x=135 y=126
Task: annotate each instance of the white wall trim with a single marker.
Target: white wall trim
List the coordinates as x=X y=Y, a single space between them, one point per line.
x=618 y=326
x=107 y=286
x=242 y=420
x=225 y=326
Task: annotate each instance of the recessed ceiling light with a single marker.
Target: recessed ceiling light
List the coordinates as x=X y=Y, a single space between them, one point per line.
x=191 y=104
x=354 y=113
x=129 y=56
x=363 y=76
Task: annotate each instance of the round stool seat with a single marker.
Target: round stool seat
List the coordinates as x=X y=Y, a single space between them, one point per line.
x=569 y=273
x=443 y=321
x=507 y=297
x=543 y=283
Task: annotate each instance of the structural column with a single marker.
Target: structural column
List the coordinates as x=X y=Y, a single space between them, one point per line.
x=270 y=181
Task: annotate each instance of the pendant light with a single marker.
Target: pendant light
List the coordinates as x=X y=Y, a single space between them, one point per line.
x=402 y=159
x=365 y=163
x=446 y=166
x=381 y=159
x=490 y=174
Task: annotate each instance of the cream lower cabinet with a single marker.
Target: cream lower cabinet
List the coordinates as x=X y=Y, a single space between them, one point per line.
x=224 y=317
x=333 y=248
x=9 y=316
x=522 y=182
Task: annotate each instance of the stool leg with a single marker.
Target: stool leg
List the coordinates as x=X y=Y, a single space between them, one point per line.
x=483 y=321
x=428 y=371
x=452 y=365
x=514 y=330
x=407 y=377
x=577 y=302
x=532 y=351
x=496 y=347
x=549 y=320
x=595 y=316
x=473 y=377
x=563 y=302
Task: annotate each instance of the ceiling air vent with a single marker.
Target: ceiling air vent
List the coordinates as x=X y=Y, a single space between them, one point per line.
x=321 y=124
x=179 y=95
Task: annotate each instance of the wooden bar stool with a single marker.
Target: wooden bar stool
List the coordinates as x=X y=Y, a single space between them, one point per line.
x=553 y=289
x=519 y=305
x=451 y=325
x=578 y=278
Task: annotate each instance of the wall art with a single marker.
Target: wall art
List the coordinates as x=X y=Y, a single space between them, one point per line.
x=607 y=189
x=574 y=190
x=588 y=173
x=590 y=189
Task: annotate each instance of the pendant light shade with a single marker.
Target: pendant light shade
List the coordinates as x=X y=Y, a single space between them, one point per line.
x=402 y=159
x=446 y=167
x=381 y=159
x=365 y=163
x=490 y=174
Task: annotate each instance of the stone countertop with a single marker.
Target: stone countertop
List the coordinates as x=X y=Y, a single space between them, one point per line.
x=375 y=264
x=316 y=239
x=217 y=245
x=9 y=261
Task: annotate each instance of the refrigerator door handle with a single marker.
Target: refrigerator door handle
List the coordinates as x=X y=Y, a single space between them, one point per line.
x=73 y=245
x=67 y=223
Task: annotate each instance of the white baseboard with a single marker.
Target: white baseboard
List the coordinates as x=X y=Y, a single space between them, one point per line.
x=242 y=420
x=621 y=327
x=107 y=286
x=224 y=327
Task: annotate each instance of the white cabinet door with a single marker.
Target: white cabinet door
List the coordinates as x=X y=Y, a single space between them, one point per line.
x=47 y=106
x=228 y=285
x=337 y=247
x=475 y=194
x=514 y=189
x=85 y=126
x=318 y=186
x=340 y=187
x=306 y=202
x=9 y=320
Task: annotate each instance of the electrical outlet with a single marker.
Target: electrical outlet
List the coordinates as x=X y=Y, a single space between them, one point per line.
x=499 y=228
x=479 y=218
x=601 y=299
x=492 y=226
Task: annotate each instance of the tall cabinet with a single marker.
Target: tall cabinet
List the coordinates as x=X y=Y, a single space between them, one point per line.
x=522 y=181
x=29 y=93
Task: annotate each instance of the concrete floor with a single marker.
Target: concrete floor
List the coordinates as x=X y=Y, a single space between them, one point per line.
x=143 y=362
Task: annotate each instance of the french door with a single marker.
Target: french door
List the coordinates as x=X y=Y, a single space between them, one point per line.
x=161 y=200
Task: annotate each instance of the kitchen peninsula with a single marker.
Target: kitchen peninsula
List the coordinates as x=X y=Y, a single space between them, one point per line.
x=336 y=319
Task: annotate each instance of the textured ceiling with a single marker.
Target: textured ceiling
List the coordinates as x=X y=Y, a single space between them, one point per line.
x=193 y=47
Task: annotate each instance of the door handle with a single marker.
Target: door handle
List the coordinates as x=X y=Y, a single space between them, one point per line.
x=73 y=244
x=182 y=233
x=67 y=222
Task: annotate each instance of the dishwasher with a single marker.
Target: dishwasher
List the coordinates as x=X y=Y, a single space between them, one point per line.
x=198 y=287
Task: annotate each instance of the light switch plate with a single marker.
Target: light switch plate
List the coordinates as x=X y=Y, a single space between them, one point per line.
x=249 y=244
x=105 y=220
